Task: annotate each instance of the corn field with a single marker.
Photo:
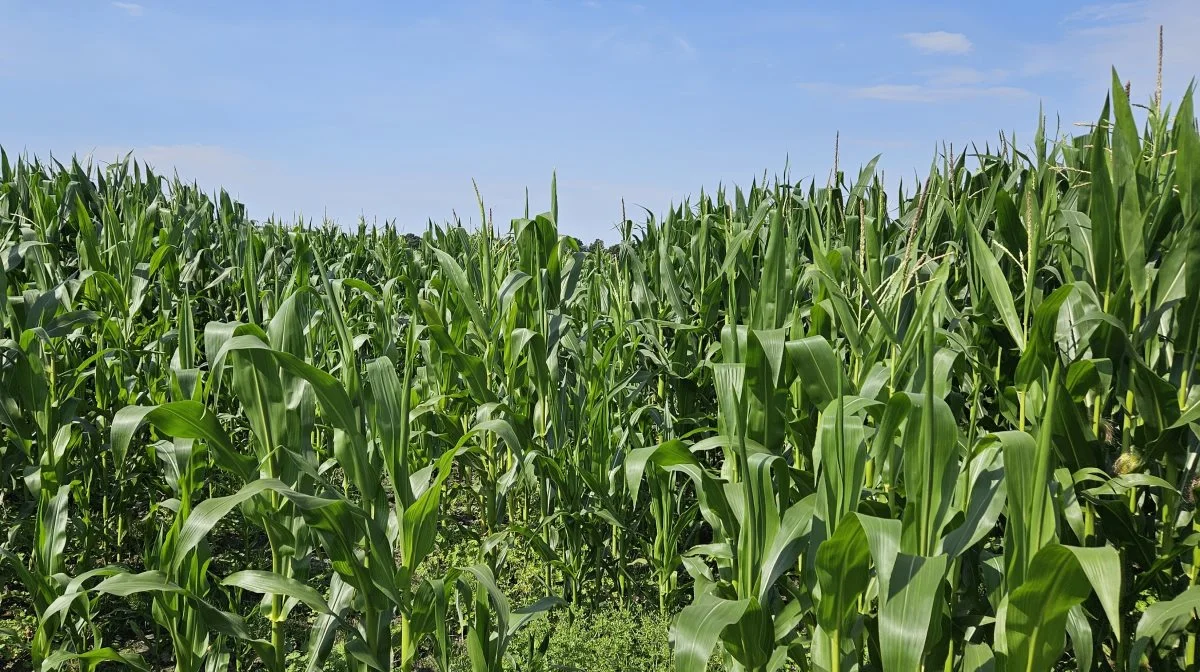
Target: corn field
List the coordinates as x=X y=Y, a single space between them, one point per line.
x=824 y=428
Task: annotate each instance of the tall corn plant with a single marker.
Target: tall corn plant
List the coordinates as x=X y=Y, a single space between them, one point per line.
x=827 y=426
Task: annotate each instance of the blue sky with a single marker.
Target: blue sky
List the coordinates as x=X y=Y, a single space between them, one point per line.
x=388 y=109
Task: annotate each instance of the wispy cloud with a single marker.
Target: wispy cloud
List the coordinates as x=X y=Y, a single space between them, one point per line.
x=1122 y=35
x=1108 y=11
x=643 y=46
x=130 y=8
x=939 y=42
x=942 y=85
x=963 y=76
x=623 y=48
x=513 y=38
x=921 y=93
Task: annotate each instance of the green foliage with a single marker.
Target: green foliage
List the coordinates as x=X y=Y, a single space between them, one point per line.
x=607 y=638
x=795 y=426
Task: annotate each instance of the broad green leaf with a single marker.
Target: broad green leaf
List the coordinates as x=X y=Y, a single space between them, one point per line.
x=1036 y=620
x=997 y=285
x=843 y=570
x=95 y=657
x=1161 y=619
x=696 y=629
x=906 y=613
x=786 y=545
x=465 y=292
x=124 y=584
x=259 y=581
x=817 y=368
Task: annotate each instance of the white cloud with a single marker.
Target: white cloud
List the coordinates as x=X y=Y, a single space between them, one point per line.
x=624 y=49
x=939 y=42
x=923 y=93
x=962 y=76
x=1110 y=11
x=1122 y=35
x=643 y=47
x=942 y=85
x=130 y=8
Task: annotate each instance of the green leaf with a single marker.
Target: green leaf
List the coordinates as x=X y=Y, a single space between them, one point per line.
x=786 y=545
x=841 y=461
x=259 y=581
x=124 y=584
x=817 y=369
x=978 y=658
x=52 y=530
x=1161 y=619
x=988 y=496
x=997 y=285
x=1036 y=621
x=907 y=610
x=930 y=463
x=1080 y=632
x=1028 y=471
x=94 y=657
x=1102 y=566
x=208 y=513
x=182 y=420
x=523 y=615
x=1126 y=157
x=465 y=292
x=843 y=572
x=697 y=628
x=1102 y=209
x=1189 y=416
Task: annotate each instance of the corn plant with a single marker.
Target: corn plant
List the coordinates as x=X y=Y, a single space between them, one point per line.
x=825 y=425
